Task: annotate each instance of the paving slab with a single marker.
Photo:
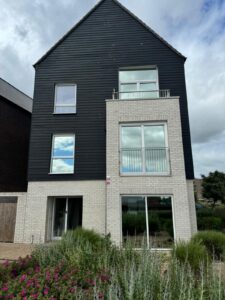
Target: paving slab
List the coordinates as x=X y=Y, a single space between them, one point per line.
x=12 y=251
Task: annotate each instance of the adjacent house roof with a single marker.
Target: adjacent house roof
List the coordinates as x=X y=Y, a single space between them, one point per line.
x=90 y=12
x=14 y=95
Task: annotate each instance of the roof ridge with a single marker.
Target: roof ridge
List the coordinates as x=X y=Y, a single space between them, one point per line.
x=90 y=12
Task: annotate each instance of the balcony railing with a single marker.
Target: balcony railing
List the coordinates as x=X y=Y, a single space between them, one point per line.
x=140 y=94
x=144 y=161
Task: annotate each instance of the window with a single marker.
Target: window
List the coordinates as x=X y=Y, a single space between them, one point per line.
x=65 y=98
x=147 y=221
x=144 y=149
x=136 y=84
x=63 y=150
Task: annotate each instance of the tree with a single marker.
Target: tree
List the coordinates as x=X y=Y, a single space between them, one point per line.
x=214 y=186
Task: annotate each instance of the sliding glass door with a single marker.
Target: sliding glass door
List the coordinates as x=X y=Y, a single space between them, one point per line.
x=67 y=215
x=147 y=221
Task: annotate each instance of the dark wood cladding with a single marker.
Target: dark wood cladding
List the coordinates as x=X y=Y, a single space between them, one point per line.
x=14 y=144
x=91 y=56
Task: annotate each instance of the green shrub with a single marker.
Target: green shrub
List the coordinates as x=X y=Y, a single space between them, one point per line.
x=209 y=223
x=79 y=247
x=191 y=253
x=214 y=241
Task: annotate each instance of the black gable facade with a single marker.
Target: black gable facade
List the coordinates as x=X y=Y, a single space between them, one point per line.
x=90 y=56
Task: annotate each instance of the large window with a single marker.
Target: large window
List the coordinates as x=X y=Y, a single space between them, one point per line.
x=63 y=150
x=147 y=221
x=135 y=84
x=65 y=98
x=144 y=149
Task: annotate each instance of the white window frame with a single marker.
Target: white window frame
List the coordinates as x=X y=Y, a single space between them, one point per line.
x=62 y=157
x=145 y=196
x=65 y=105
x=144 y=173
x=138 y=82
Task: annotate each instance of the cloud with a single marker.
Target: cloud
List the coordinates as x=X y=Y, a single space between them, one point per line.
x=195 y=27
x=62 y=166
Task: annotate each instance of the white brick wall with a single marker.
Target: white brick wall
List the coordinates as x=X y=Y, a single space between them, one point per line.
x=146 y=111
x=191 y=197
x=93 y=193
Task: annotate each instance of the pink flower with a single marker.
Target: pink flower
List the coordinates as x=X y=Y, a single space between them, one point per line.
x=6 y=263
x=5 y=288
x=46 y=290
x=23 y=293
x=23 y=278
x=37 y=269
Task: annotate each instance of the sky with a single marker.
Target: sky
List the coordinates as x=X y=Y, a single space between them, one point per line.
x=196 y=28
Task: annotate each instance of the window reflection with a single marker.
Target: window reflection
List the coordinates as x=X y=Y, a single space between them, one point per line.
x=63 y=154
x=150 y=214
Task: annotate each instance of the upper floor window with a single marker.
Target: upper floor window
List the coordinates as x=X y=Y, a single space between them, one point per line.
x=63 y=151
x=65 y=98
x=138 y=83
x=144 y=149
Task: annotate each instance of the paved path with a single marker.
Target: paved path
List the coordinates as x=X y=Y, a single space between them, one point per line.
x=13 y=251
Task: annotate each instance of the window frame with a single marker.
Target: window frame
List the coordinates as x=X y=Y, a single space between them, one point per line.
x=145 y=196
x=138 y=82
x=62 y=157
x=144 y=173
x=65 y=105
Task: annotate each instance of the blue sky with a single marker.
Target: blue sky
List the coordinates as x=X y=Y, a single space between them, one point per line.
x=196 y=28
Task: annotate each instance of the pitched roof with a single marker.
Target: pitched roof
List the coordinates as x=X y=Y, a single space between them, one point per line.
x=90 y=12
x=14 y=95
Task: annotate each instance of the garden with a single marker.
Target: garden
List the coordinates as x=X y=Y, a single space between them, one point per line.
x=85 y=265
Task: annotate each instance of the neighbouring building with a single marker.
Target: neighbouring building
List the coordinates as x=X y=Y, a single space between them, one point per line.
x=110 y=146
x=15 y=121
x=198 y=189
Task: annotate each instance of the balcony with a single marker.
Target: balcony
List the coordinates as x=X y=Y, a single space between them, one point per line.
x=134 y=95
x=144 y=161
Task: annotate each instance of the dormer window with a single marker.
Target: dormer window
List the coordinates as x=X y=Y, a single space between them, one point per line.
x=138 y=83
x=65 y=98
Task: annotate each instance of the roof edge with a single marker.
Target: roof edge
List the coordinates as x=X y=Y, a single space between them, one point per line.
x=89 y=13
x=68 y=32
x=14 y=95
x=149 y=29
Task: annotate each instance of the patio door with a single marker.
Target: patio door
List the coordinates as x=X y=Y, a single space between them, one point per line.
x=67 y=215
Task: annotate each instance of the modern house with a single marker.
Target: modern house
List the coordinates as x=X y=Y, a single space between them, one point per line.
x=110 y=146
x=15 y=121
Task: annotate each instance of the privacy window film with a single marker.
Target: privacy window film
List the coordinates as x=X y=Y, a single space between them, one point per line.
x=144 y=149
x=147 y=221
x=63 y=151
x=65 y=98
x=136 y=84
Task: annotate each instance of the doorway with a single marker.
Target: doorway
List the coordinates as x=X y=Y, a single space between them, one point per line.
x=67 y=215
x=7 y=218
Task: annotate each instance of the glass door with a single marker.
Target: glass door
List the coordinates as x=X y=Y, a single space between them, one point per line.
x=67 y=215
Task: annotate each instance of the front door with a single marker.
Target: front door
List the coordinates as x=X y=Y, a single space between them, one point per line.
x=67 y=215
x=7 y=218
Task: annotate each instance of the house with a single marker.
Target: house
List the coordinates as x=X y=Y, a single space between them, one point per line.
x=110 y=146
x=15 y=120
x=198 y=189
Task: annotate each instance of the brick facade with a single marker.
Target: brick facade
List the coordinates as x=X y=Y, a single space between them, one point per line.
x=166 y=110
x=36 y=224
